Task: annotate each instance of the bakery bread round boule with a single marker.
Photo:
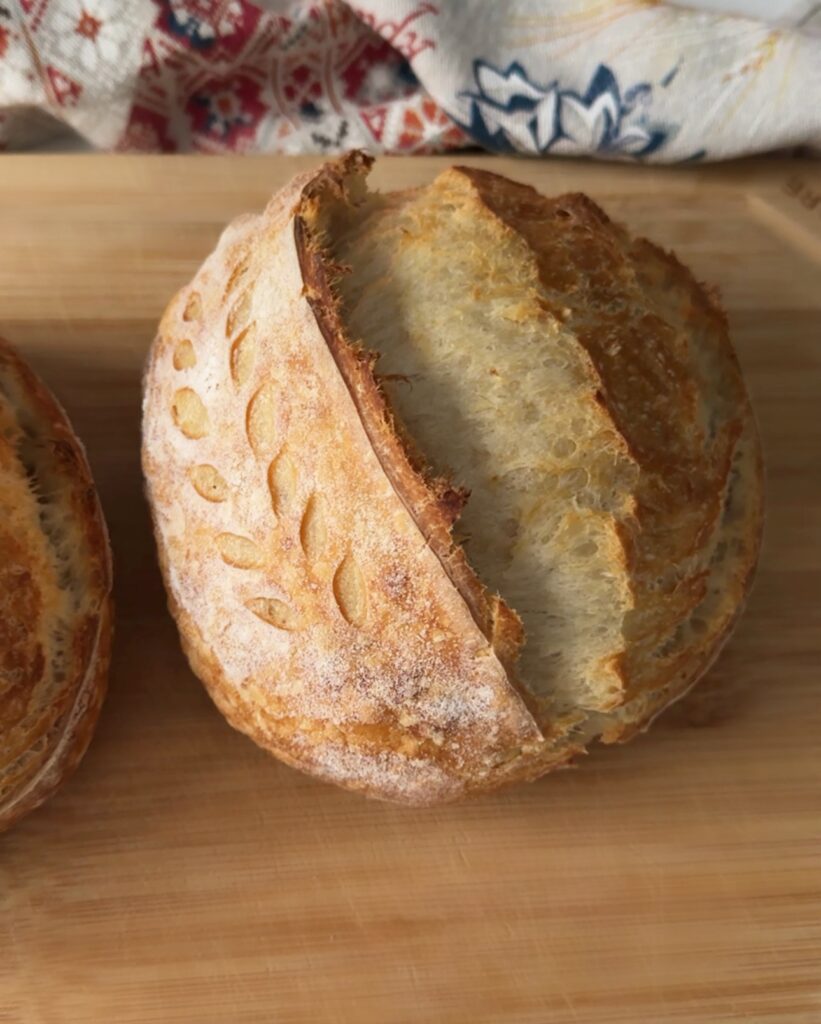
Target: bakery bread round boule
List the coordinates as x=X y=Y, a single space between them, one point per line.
x=55 y=593
x=446 y=483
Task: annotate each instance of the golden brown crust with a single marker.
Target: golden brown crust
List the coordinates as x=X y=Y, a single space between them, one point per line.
x=55 y=584
x=728 y=586
x=308 y=555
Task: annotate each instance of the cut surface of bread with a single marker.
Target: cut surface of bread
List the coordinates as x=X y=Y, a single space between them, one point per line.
x=55 y=582
x=581 y=386
x=498 y=394
x=342 y=373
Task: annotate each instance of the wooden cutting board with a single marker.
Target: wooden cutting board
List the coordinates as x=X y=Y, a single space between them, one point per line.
x=185 y=876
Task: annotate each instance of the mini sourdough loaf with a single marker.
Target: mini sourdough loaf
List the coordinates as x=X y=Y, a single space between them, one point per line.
x=55 y=584
x=342 y=373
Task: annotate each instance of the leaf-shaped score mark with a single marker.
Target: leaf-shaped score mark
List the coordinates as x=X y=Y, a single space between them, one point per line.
x=239 y=314
x=184 y=355
x=237 y=274
x=239 y=551
x=193 y=307
x=189 y=413
x=282 y=482
x=313 y=531
x=275 y=613
x=351 y=592
x=208 y=483
x=243 y=354
x=260 y=419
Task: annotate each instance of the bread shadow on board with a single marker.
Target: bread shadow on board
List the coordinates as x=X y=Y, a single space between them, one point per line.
x=158 y=722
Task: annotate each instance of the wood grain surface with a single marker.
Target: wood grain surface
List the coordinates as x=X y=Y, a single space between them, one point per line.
x=185 y=876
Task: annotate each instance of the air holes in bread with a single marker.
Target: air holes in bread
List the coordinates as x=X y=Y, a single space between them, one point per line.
x=564 y=447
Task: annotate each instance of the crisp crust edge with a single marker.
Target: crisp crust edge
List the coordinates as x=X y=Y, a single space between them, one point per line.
x=78 y=723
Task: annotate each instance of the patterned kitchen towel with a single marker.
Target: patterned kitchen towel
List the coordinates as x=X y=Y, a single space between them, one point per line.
x=634 y=79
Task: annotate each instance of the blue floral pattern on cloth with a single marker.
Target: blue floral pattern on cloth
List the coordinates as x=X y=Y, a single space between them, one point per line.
x=509 y=112
x=636 y=80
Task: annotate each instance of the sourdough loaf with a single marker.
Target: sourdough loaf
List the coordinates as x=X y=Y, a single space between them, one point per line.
x=55 y=584
x=446 y=483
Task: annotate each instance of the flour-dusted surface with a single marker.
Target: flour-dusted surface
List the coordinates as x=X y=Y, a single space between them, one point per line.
x=183 y=876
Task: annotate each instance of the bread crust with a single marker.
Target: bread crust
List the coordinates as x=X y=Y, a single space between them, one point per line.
x=325 y=651
x=56 y=594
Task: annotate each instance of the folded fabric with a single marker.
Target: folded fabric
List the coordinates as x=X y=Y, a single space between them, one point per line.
x=633 y=79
